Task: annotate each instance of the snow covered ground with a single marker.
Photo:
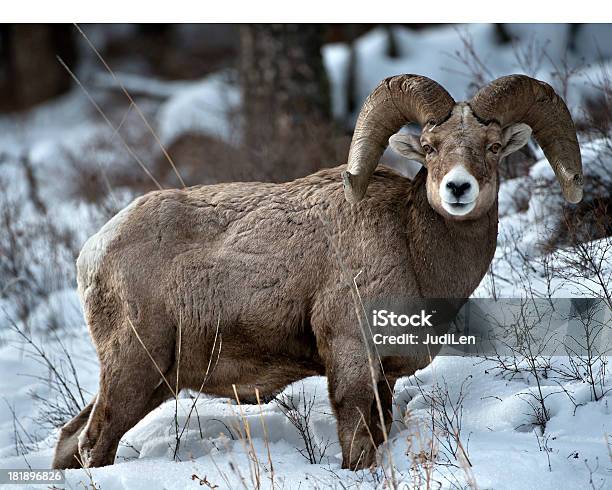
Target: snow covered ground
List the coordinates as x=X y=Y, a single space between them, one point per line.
x=490 y=407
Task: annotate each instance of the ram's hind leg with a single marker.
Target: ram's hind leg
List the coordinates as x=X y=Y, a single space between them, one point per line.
x=67 y=450
x=129 y=389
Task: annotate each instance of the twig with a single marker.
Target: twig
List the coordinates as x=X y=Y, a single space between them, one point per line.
x=110 y=124
x=132 y=104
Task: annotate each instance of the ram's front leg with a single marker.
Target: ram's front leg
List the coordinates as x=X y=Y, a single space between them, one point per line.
x=351 y=395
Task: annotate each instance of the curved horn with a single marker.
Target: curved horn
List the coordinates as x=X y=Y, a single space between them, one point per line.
x=518 y=98
x=396 y=101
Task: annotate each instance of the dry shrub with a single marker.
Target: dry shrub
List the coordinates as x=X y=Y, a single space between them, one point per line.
x=104 y=165
x=34 y=252
x=596 y=121
x=587 y=221
x=202 y=159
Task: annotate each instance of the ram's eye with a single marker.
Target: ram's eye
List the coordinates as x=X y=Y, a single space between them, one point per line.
x=428 y=149
x=494 y=148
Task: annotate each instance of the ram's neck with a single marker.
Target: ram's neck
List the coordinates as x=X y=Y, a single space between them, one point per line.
x=450 y=257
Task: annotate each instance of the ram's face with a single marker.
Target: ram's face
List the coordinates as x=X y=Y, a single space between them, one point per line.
x=461 y=156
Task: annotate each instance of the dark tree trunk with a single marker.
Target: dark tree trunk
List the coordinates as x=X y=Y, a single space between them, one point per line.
x=29 y=70
x=282 y=74
x=285 y=92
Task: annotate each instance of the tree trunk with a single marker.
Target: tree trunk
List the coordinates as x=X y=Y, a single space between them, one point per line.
x=285 y=93
x=30 y=72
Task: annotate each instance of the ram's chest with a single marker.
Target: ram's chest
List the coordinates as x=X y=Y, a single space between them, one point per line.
x=456 y=274
x=452 y=263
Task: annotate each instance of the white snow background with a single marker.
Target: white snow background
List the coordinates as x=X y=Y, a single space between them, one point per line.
x=505 y=449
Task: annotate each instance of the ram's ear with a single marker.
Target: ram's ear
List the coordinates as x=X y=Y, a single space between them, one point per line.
x=409 y=146
x=514 y=137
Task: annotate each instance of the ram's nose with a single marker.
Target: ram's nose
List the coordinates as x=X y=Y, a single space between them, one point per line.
x=458 y=187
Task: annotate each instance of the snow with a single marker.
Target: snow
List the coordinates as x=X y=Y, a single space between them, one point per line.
x=336 y=58
x=205 y=107
x=503 y=452
x=499 y=428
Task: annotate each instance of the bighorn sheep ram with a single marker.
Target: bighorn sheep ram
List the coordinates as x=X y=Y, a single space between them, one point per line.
x=257 y=265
